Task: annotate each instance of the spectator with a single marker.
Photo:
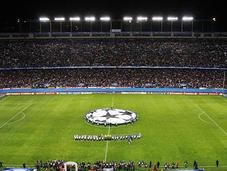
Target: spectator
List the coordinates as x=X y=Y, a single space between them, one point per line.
x=112 y=78
x=113 y=52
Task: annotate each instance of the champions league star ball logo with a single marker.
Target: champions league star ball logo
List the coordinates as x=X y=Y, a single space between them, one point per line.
x=111 y=117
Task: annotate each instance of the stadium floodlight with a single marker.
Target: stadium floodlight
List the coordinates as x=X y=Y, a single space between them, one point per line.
x=105 y=18
x=127 y=18
x=187 y=18
x=141 y=18
x=44 y=19
x=59 y=19
x=89 y=18
x=172 y=18
x=157 y=18
x=74 y=19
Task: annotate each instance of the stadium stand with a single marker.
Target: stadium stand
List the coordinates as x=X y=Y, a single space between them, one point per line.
x=178 y=78
x=113 y=52
x=139 y=62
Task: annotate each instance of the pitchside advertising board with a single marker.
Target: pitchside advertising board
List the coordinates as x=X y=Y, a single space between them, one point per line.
x=18 y=169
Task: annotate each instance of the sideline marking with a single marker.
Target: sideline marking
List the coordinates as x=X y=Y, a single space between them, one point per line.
x=3 y=98
x=5 y=123
x=107 y=145
x=217 y=125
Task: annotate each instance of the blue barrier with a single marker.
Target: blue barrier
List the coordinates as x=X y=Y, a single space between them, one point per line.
x=112 y=90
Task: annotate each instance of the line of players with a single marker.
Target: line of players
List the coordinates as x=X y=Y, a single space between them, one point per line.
x=129 y=138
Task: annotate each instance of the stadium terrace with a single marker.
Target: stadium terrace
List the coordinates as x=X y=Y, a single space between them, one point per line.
x=111 y=98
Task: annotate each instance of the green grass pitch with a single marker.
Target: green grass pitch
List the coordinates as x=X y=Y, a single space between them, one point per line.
x=174 y=128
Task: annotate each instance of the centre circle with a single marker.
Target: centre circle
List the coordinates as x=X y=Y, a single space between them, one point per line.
x=111 y=116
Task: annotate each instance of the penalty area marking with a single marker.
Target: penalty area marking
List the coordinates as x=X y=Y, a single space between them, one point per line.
x=22 y=110
x=107 y=145
x=22 y=118
x=215 y=123
x=199 y=116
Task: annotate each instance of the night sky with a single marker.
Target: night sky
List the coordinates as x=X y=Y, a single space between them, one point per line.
x=11 y=10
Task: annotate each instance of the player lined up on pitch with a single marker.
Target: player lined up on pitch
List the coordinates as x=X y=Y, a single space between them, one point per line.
x=129 y=138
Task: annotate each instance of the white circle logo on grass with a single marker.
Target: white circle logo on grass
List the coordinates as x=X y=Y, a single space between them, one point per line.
x=111 y=117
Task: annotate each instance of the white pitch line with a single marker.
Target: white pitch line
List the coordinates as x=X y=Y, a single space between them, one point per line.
x=5 y=123
x=3 y=98
x=22 y=118
x=112 y=102
x=217 y=125
x=199 y=116
x=107 y=145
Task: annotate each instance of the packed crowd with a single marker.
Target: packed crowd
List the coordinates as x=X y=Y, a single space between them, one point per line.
x=113 y=52
x=112 y=78
x=58 y=165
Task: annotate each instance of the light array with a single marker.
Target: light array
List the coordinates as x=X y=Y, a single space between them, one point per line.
x=74 y=19
x=172 y=18
x=89 y=18
x=125 y=18
x=59 y=19
x=157 y=18
x=44 y=19
x=187 y=18
x=141 y=18
x=105 y=18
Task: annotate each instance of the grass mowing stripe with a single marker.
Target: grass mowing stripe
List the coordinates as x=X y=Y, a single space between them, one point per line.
x=5 y=123
x=218 y=126
x=170 y=126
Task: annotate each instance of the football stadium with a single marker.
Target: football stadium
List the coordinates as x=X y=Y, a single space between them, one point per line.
x=93 y=93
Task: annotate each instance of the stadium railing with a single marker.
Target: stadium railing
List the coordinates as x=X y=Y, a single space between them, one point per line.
x=112 y=90
x=113 y=35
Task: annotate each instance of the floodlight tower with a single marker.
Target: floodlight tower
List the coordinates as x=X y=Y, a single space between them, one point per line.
x=105 y=19
x=90 y=19
x=73 y=19
x=158 y=19
x=60 y=20
x=44 y=20
x=129 y=20
x=172 y=19
x=141 y=19
x=186 y=19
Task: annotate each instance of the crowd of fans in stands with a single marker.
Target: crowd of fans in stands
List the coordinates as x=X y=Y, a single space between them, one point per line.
x=113 y=52
x=58 y=165
x=112 y=78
